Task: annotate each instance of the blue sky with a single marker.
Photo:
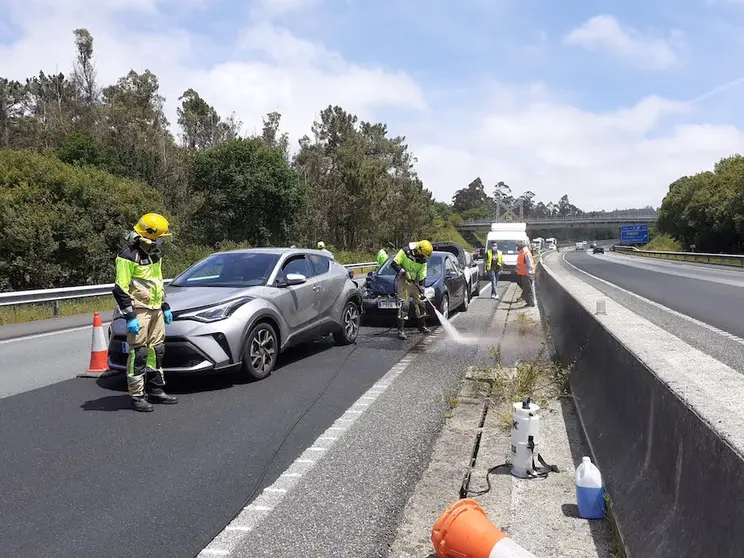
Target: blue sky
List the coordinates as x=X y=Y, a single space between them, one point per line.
x=592 y=99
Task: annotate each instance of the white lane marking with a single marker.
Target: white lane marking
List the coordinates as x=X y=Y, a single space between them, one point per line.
x=695 y=321
x=247 y=519
x=677 y=269
x=48 y=334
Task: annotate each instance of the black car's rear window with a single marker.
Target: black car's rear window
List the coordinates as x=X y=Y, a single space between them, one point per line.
x=229 y=270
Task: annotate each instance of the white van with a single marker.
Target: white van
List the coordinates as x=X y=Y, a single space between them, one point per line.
x=506 y=236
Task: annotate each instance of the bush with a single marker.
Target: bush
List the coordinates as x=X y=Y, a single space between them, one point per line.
x=61 y=225
x=664 y=243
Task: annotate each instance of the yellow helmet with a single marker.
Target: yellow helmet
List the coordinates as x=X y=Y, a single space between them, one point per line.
x=152 y=226
x=424 y=247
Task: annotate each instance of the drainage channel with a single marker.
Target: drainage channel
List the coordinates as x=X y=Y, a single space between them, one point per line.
x=465 y=485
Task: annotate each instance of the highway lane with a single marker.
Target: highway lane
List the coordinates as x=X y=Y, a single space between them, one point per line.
x=711 y=296
x=701 y=311
x=85 y=476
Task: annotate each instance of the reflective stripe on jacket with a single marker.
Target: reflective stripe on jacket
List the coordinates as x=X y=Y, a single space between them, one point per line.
x=525 y=263
x=499 y=259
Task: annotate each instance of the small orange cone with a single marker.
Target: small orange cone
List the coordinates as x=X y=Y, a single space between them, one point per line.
x=464 y=531
x=98 y=351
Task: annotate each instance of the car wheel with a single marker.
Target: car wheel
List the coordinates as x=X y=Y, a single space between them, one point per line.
x=260 y=352
x=444 y=306
x=350 y=320
x=477 y=285
x=465 y=303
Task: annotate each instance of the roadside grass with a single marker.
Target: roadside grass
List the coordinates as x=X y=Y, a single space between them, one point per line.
x=541 y=379
x=33 y=312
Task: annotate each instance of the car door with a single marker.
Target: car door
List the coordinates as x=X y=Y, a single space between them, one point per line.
x=331 y=284
x=300 y=306
x=454 y=280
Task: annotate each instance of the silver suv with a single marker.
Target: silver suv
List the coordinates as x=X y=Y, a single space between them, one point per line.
x=240 y=309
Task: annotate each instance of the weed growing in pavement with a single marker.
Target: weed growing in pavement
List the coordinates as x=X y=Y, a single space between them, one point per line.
x=453 y=403
x=525 y=324
x=541 y=379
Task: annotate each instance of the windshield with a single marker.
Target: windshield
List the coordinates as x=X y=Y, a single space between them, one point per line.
x=242 y=269
x=506 y=246
x=433 y=267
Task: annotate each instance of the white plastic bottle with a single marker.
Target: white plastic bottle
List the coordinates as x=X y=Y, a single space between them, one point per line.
x=589 y=490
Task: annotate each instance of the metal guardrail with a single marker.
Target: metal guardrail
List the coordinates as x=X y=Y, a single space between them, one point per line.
x=699 y=257
x=535 y=221
x=71 y=293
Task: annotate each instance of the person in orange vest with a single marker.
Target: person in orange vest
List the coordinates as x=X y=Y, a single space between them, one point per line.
x=526 y=272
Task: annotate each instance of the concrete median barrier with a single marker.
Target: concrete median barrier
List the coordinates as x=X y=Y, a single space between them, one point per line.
x=664 y=424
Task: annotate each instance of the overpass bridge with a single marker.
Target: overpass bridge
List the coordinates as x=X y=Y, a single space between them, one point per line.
x=573 y=222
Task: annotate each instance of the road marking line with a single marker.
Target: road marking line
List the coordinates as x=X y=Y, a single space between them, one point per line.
x=238 y=528
x=49 y=334
x=316 y=449
x=695 y=321
x=219 y=551
x=291 y=475
x=255 y=507
x=272 y=489
x=331 y=438
x=304 y=461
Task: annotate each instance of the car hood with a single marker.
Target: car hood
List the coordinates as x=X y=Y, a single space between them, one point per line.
x=186 y=298
x=385 y=284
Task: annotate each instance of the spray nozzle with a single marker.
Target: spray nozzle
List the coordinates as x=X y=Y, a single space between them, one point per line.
x=526 y=403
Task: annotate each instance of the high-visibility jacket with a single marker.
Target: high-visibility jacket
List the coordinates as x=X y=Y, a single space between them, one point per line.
x=382 y=257
x=139 y=281
x=405 y=259
x=499 y=260
x=522 y=268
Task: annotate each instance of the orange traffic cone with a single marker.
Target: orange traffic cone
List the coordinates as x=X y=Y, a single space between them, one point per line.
x=464 y=531
x=98 y=351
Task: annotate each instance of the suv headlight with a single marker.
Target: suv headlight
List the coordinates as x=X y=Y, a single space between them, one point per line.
x=429 y=292
x=213 y=313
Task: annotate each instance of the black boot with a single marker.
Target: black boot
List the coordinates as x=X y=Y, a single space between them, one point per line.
x=401 y=334
x=140 y=404
x=157 y=395
x=422 y=326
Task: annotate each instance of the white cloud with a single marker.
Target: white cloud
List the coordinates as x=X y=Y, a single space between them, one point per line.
x=522 y=135
x=604 y=32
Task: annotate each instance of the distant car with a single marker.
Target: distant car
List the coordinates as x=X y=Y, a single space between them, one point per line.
x=598 y=250
x=469 y=266
x=445 y=285
x=238 y=310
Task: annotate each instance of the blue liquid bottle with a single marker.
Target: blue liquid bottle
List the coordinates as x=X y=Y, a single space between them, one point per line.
x=589 y=490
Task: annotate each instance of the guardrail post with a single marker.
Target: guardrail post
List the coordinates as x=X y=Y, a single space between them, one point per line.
x=55 y=308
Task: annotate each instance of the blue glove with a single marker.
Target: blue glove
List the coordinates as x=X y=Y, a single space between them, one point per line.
x=133 y=326
x=168 y=316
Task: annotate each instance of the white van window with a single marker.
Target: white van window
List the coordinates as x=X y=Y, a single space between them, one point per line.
x=506 y=246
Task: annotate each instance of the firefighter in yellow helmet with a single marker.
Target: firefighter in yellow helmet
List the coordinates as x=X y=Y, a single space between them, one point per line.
x=410 y=265
x=140 y=294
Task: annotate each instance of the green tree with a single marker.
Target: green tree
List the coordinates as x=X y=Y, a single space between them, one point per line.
x=247 y=192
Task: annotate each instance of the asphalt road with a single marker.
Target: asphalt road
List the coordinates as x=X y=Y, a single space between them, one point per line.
x=710 y=295
x=85 y=476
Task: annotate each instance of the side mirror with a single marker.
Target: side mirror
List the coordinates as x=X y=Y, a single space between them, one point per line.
x=295 y=279
x=370 y=274
x=453 y=274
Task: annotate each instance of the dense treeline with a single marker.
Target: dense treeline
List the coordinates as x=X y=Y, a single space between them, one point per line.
x=707 y=209
x=79 y=162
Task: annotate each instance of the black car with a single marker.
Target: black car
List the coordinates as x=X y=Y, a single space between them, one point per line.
x=597 y=250
x=469 y=266
x=445 y=285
